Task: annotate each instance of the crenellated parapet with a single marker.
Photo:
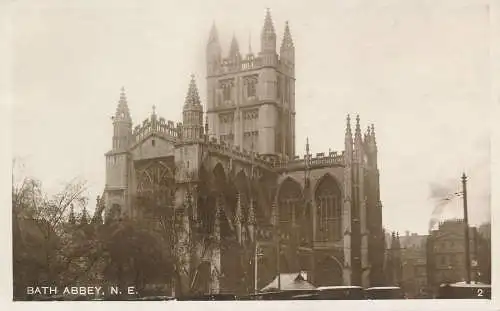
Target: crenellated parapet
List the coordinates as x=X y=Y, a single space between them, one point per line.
x=252 y=62
x=320 y=160
x=224 y=149
x=156 y=125
x=333 y=158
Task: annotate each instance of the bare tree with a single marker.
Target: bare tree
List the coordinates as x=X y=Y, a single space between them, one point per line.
x=39 y=231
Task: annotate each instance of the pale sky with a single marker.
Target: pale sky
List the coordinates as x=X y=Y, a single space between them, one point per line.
x=418 y=70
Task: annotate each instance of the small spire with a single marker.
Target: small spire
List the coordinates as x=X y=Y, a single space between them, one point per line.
x=206 y=125
x=234 y=50
x=287 y=42
x=250 y=43
x=348 y=125
x=357 y=132
x=307 y=145
x=268 y=23
x=192 y=97
x=374 y=140
x=123 y=97
x=154 y=110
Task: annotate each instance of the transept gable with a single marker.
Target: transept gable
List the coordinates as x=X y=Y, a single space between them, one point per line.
x=152 y=146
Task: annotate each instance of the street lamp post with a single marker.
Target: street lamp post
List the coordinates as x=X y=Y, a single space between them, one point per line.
x=466 y=224
x=258 y=254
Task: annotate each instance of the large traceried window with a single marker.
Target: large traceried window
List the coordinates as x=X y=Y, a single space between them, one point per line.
x=227 y=89
x=226 y=127
x=293 y=215
x=328 y=209
x=250 y=129
x=155 y=180
x=251 y=85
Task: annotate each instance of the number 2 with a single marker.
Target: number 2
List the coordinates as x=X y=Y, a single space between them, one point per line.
x=480 y=292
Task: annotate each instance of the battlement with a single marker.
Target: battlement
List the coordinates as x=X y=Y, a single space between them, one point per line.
x=223 y=148
x=156 y=125
x=333 y=158
x=252 y=62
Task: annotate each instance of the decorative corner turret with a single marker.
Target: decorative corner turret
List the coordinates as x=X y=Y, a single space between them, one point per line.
x=192 y=114
x=122 y=123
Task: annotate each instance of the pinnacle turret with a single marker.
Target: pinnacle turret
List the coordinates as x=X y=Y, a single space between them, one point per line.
x=250 y=44
x=234 y=50
x=268 y=35
x=348 y=130
x=192 y=115
x=374 y=140
x=357 y=131
x=287 y=42
x=268 y=23
x=348 y=140
x=214 y=35
x=122 y=111
x=192 y=97
x=358 y=143
x=213 y=51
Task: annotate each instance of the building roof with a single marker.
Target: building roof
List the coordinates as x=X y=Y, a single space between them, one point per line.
x=289 y=281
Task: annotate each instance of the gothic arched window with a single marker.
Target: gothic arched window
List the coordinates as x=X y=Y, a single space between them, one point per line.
x=329 y=212
x=291 y=205
x=156 y=180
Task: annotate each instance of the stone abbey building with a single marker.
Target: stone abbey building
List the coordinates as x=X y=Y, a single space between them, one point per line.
x=232 y=174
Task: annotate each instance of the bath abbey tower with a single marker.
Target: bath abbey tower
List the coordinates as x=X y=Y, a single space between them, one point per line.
x=232 y=178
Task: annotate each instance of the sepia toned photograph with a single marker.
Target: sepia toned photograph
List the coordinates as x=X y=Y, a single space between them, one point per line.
x=263 y=150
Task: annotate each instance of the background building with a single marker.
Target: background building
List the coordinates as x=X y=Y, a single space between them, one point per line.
x=414 y=265
x=393 y=265
x=237 y=179
x=446 y=254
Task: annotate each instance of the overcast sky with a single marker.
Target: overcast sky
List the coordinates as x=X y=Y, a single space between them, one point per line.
x=419 y=71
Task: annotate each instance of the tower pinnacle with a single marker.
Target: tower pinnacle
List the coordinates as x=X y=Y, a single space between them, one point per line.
x=250 y=43
x=234 y=50
x=287 y=42
x=268 y=23
x=268 y=35
x=214 y=36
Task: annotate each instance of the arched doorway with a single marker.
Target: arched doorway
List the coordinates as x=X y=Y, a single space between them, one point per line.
x=328 y=272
